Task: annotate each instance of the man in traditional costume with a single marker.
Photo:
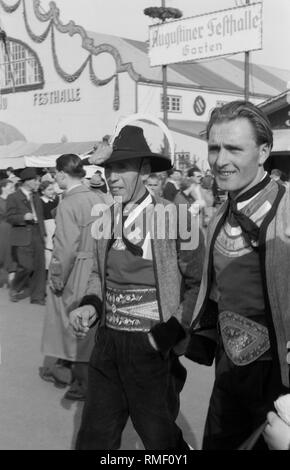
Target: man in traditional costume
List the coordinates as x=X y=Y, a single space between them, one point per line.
x=241 y=316
x=142 y=290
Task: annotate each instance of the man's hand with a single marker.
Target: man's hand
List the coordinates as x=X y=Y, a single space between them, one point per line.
x=100 y=155
x=81 y=319
x=28 y=216
x=56 y=285
x=277 y=433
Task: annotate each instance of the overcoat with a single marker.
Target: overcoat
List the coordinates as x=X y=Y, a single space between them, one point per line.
x=5 y=236
x=70 y=268
x=17 y=207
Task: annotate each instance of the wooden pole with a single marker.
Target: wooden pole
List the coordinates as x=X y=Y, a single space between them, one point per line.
x=164 y=92
x=247 y=70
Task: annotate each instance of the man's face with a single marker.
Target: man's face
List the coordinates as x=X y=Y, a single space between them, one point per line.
x=60 y=178
x=234 y=155
x=154 y=185
x=123 y=179
x=176 y=176
x=49 y=191
x=9 y=188
x=196 y=177
x=32 y=184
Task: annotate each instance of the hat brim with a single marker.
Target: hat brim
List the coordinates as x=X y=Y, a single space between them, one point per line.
x=158 y=162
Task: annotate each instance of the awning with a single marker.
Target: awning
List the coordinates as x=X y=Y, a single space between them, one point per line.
x=281 y=140
x=187 y=127
x=19 y=154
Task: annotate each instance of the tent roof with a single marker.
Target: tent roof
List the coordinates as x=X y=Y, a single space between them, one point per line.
x=276 y=103
x=19 y=154
x=219 y=74
x=9 y=134
x=65 y=147
x=187 y=127
x=281 y=140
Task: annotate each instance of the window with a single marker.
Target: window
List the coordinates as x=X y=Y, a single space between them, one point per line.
x=22 y=70
x=173 y=103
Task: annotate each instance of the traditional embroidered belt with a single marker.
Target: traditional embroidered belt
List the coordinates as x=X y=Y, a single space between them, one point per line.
x=244 y=340
x=131 y=309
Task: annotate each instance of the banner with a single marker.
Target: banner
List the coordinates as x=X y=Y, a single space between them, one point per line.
x=211 y=35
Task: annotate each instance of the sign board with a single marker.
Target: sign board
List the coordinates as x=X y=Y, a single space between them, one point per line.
x=211 y=35
x=199 y=105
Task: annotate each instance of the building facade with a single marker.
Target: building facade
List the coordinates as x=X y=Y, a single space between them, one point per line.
x=60 y=82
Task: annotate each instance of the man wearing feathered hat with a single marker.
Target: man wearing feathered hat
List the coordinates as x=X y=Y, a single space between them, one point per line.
x=142 y=291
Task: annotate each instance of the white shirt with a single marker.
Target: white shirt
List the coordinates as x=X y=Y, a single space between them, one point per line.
x=29 y=197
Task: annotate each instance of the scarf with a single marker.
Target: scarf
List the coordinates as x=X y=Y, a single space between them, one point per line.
x=126 y=218
x=250 y=230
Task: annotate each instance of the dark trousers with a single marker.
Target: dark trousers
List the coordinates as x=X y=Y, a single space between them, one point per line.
x=127 y=377
x=31 y=267
x=79 y=377
x=239 y=403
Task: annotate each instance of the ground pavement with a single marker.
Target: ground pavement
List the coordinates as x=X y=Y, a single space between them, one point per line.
x=34 y=414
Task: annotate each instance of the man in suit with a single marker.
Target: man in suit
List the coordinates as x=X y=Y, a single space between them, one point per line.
x=24 y=213
x=172 y=186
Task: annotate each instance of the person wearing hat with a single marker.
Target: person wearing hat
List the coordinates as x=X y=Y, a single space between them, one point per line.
x=69 y=270
x=11 y=176
x=97 y=183
x=142 y=291
x=24 y=213
x=172 y=186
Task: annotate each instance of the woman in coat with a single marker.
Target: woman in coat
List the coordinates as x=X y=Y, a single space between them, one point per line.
x=69 y=271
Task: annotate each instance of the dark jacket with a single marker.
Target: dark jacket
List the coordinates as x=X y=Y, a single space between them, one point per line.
x=274 y=241
x=178 y=271
x=17 y=206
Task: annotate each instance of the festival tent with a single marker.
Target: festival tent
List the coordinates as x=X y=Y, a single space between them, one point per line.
x=20 y=154
x=13 y=153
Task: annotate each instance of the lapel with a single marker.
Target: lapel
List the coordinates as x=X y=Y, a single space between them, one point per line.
x=24 y=199
x=37 y=206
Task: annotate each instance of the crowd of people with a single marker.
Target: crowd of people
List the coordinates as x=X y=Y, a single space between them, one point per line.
x=144 y=263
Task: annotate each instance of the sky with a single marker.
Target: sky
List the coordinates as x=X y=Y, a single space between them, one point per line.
x=125 y=18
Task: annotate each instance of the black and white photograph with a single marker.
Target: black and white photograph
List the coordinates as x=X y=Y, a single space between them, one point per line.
x=144 y=227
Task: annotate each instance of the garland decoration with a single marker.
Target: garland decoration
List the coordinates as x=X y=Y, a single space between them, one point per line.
x=116 y=102
x=53 y=11
x=5 y=41
x=94 y=79
x=52 y=17
x=163 y=13
x=65 y=76
x=30 y=33
x=10 y=8
x=98 y=82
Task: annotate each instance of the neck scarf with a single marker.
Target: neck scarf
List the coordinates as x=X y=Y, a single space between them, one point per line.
x=250 y=230
x=123 y=215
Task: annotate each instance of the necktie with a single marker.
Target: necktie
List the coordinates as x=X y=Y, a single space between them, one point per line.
x=30 y=199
